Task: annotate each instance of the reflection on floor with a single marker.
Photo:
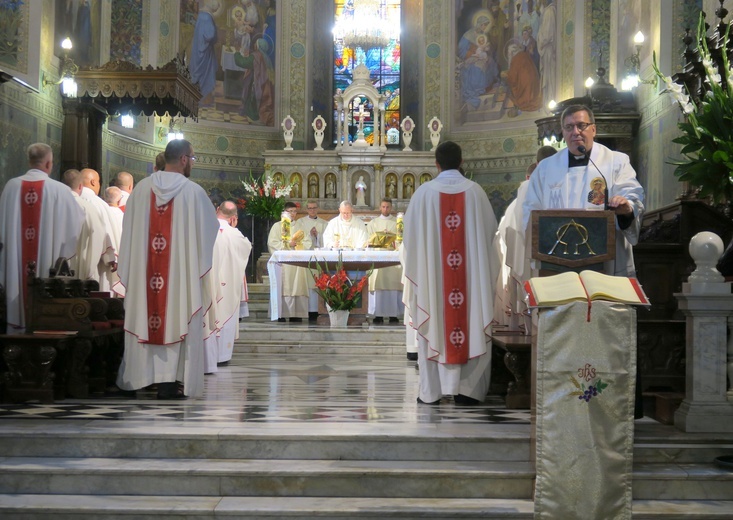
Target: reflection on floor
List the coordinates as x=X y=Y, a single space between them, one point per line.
x=292 y=388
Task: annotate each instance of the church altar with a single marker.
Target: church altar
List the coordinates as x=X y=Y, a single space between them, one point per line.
x=352 y=261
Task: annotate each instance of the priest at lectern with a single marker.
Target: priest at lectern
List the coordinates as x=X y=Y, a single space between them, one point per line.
x=590 y=176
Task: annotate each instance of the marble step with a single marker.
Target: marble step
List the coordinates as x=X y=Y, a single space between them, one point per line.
x=248 y=477
x=327 y=478
x=294 y=332
x=116 y=507
x=346 y=442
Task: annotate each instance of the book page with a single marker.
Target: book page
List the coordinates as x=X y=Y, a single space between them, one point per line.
x=558 y=289
x=616 y=288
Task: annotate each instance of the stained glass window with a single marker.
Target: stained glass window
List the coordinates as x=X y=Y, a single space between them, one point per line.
x=383 y=63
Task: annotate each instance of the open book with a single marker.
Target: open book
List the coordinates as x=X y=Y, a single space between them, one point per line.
x=563 y=288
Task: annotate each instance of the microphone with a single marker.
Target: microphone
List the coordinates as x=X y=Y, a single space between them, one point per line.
x=582 y=149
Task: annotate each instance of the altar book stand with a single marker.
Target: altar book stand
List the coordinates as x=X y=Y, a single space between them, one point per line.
x=583 y=366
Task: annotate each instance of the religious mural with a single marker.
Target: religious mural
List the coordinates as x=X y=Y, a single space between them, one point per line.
x=230 y=46
x=79 y=20
x=126 y=31
x=505 y=59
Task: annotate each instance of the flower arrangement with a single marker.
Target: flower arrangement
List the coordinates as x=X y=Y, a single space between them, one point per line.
x=338 y=291
x=707 y=132
x=265 y=196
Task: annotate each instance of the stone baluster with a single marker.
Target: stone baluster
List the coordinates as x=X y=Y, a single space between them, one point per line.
x=707 y=304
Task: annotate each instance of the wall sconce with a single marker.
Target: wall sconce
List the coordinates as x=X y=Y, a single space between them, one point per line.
x=127 y=120
x=632 y=64
x=172 y=134
x=68 y=71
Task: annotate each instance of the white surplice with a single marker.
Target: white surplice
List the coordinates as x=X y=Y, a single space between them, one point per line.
x=348 y=233
x=60 y=225
x=424 y=296
x=90 y=246
x=554 y=185
x=193 y=233
x=385 y=284
x=295 y=280
x=111 y=240
x=231 y=254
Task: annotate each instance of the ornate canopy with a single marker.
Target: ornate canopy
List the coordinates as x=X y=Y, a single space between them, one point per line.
x=121 y=87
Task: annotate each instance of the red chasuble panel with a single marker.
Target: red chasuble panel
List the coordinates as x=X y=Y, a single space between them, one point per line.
x=31 y=199
x=158 y=273
x=455 y=290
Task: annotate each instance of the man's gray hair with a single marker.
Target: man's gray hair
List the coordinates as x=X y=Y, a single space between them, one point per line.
x=345 y=204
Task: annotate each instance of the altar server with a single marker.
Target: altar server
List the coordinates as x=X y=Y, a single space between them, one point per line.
x=385 y=284
x=314 y=226
x=90 y=193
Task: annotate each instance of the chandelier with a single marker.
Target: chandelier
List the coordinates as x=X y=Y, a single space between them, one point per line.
x=363 y=26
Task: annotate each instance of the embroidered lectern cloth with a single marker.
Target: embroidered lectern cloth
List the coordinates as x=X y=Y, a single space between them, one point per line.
x=585 y=411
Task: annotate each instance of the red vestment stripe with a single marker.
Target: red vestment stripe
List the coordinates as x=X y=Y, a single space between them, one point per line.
x=159 y=263
x=455 y=289
x=31 y=200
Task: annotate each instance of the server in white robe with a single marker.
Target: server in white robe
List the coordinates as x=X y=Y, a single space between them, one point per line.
x=125 y=182
x=113 y=198
x=165 y=263
x=39 y=222
x=231 y=254
x=385 y=284
x=577 y=178
x=314 y=226
x=295 y=288
x=451 y=268
x=90 y=192
x=91 y=247
x=345 y=230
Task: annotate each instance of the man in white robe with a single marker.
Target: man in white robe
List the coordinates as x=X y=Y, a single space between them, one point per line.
x=569 y=180
x=113 y=197
x=91 y=247
x=39 y=222
x=385 y=284
x=125 y=182
x=90 y=192
x=345 y=231
x=451 y=268
x=231 y=254
x=295 y=280
x=164 y=263
x=314 y=226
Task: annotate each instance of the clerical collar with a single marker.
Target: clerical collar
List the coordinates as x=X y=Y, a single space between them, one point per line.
x=577 y=160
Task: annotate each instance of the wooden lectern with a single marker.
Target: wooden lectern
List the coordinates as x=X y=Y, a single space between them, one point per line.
x=572 y=239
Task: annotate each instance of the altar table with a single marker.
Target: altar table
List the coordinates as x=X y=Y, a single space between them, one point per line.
x=352 y=261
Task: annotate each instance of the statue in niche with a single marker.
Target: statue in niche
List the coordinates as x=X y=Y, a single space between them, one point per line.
x=360 y=188
x=408 y=188
x=295 y=192
x=278 y=178
x=425 y=177
x=330 y=187
x=391 y=190
x=313 y=187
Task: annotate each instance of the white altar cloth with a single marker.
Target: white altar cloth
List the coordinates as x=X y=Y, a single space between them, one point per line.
x=352 y=260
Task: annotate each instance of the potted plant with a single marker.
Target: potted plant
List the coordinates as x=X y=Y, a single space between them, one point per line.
x=340 y=293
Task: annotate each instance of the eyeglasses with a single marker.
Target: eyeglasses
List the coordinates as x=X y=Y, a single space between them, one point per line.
x=310 y=209
x=192 y=157
x=580 y=126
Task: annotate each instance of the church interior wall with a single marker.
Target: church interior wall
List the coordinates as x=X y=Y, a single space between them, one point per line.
x=497 y=151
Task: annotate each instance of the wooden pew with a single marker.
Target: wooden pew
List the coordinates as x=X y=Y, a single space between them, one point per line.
x=72 y=340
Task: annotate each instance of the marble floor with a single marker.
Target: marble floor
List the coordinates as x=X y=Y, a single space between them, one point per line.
x=286 y=388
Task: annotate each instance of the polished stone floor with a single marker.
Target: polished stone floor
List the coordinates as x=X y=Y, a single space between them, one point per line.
x=286 y=388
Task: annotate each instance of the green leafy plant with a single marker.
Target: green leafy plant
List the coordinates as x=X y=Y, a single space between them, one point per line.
x=265 y=197
x=707 y=132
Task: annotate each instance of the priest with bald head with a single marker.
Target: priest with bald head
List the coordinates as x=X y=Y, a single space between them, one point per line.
x=39 y=222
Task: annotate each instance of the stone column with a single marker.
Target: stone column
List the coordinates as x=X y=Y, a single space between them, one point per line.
x=707 y=303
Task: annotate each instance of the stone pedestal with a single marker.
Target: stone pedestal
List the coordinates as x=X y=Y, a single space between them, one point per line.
x=707 y=307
